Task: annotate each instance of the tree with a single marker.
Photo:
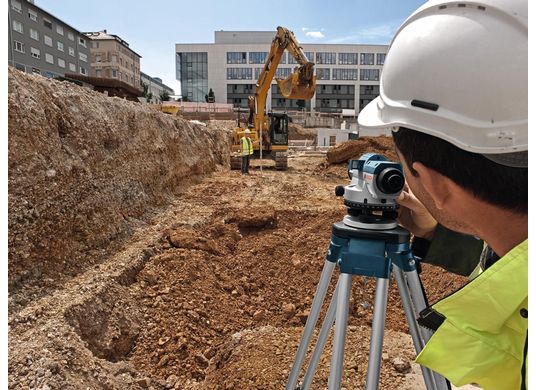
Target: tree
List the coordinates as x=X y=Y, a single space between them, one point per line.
x=145 y=89
x=164 y=96
x=149 y=97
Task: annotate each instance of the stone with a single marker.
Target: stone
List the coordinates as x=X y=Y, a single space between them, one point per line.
x=258 y=315
x=401 y=365
x=289 y=310
x=144 y=382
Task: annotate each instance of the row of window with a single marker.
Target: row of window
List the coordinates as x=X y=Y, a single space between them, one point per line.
x=327 y=58
x=20 y=47
x=36 y=53
x=321 y=74
x=32 y=15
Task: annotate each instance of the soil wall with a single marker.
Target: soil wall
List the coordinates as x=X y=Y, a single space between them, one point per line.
x=84 y=168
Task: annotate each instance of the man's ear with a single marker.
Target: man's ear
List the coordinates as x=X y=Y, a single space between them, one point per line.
x=439 y=187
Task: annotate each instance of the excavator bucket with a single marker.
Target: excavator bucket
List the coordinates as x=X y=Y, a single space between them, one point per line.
x=295 y=86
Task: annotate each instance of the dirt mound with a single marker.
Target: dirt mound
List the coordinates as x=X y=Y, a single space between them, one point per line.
x=297 y=132
x=84 y=169
x=356 y=148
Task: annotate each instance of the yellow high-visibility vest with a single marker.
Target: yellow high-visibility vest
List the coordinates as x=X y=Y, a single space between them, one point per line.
x=483 y=327
x=247 y=146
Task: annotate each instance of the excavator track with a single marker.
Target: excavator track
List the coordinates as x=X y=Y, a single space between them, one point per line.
x=281 y=161
x=236 y=162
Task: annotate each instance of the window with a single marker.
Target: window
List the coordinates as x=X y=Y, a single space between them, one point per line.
x=98 y=58
x=48 y=40
x=83 y=70
x=60 y=46
x=20 y=67
x=367 y=59
x=81 y=41
x=370 y=74
x=61 y=63
x=348 y=58
x=35 y=53
x=239 y=74
x=49 y=75
x=71 y=51
x=82 y=56
x=72 y=67
x=49 y=58
x=59 y=29
x=258 y=72
x=16 y=6
x=95 y=45
x=309 y=54
x=36 y=71
x=236 y=57
x=326 y=58
x=380 y=58
x=17 y=26
x=70 y=36
x=18 y=46
x=98 y=73
x=32 y=15
x=47 y=23
x=257 y=57
x=322 y=74
x=344 y=74
x=114 y=73
x=114 y=57
x=34 y=34
x=283 y=72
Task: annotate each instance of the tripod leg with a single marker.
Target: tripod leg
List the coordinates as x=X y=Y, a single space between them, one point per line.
x=376 y=338
x=412 y=323
x=318 y=300
x=339 y=339
x=417 y=296
x=321 y=342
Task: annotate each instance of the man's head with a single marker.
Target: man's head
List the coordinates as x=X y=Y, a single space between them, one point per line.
x=439 y=172
x=248 y=133
x=440 y=80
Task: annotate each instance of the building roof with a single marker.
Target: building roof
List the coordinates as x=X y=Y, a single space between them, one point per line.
x=157 y=81
x=104 y=36
x=105 y=83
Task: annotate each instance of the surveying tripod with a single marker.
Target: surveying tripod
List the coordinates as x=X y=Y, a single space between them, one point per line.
x=371 y=253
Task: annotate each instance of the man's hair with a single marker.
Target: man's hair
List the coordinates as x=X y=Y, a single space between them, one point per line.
x=496 y=184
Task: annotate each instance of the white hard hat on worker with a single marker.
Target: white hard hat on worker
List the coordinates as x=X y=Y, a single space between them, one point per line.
x=458 y=71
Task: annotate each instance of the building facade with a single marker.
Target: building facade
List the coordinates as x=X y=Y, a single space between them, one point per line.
x=348 y=76
x=155 y=86
x=111 y=57
x=42 y=44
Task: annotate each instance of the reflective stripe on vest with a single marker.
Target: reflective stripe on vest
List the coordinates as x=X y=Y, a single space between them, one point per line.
x=481 y=338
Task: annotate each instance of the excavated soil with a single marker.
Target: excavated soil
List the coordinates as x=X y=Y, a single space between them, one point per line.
x=208 y=289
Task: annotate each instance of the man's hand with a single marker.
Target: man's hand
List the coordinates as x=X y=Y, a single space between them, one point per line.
x=413 y=215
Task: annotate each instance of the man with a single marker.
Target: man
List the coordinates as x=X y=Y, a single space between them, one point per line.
x=247 y=150
x=462 y=138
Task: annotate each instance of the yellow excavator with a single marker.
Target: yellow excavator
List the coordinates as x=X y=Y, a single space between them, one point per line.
x=269 y=133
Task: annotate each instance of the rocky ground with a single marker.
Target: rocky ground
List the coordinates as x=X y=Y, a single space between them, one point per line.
x=208 y=288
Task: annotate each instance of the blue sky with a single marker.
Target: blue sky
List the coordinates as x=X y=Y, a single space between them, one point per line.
x=153 y=27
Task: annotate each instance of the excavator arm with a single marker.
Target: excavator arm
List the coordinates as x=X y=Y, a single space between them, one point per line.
x=300 y=84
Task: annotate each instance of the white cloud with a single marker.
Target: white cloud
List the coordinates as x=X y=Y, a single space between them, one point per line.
x=315 y=34
x=374 y=34
x=304 y=29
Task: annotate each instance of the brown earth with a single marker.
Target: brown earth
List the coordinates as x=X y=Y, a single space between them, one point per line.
x=209 y=290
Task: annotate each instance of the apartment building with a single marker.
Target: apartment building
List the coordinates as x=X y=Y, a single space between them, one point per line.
x=111 y=57
x=155 y=86
x=348 y=75
x=42 y=44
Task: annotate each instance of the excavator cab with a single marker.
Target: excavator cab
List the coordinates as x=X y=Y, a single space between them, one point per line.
x=278 y=128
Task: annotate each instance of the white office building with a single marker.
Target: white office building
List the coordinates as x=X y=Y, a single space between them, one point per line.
x=347 y=74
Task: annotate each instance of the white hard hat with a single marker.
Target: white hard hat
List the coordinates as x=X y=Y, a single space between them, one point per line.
x=247 y=131
x=457 y=70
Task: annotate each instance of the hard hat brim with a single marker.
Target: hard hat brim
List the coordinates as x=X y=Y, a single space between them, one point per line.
x=370 y=116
